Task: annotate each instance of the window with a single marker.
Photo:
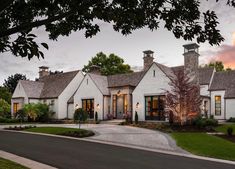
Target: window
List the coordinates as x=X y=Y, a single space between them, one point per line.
x=15 y=107
x=217 y=105
x=87 y=81
x=88 y=106
x=114 y=105
x=154 y=107
x=154 y=73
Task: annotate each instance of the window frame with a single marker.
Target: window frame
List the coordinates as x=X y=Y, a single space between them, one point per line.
x=218 y=102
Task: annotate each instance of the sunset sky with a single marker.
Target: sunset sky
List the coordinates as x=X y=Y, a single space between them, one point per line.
x=71 y=53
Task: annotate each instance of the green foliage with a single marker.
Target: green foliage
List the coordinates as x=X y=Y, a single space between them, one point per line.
x=8 y=120
x=7 y=164
x=231 y=119
x=223 y=128
x=136 y=118
x=21 y=115
x=80 y=116
x=218 y=65
x=205 y=122
x=12 y=81
x=61 y=18
x=31 y=111
x=96 y=116
x=5 y=94
x=109 y=65
x=5 y=109
x=230 y=131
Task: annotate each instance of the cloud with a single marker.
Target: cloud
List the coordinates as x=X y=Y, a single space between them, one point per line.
x=224 y=53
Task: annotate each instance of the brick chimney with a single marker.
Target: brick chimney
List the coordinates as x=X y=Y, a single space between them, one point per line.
x=94 y=69
x=43 y=71
x=191 y=54
x=148 y=58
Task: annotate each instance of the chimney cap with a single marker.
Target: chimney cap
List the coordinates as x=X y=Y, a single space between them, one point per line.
x=43 y=67
x=191 y=46
x=148 y=52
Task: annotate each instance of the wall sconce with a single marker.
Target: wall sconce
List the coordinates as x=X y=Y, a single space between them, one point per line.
x=119 y=92
x=76 y=106
x=137 y=105
x=98 y=105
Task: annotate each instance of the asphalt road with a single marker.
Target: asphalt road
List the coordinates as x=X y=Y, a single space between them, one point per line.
x=74 y=154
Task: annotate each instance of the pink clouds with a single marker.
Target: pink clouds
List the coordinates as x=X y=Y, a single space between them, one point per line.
x=225 y=53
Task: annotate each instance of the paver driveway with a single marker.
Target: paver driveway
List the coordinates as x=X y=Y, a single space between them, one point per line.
x=128 y=136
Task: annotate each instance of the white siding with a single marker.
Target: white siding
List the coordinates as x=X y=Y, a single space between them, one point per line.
x=230 y=108
x=204 y=90
x=89 y=91
x=213 y=94
x=33 y=100
x=148 y=86
x=70 y=110
x=107 y=106
x=66 y=94
x=53 y=106
x=19 y=92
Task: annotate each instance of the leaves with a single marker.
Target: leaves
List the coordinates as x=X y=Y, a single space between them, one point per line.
x=45 y=45
x=12 y=81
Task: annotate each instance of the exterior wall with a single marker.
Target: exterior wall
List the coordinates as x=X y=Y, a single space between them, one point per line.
x=53 y=106
x=230 y=108
x=218 y=93
x=70 y=110
x=205 y=109
x=107 y=106
x=66 y=95
x=149 y=86
x=19 y=96
x=90 y=91
x=204 y=90
x=33 y=100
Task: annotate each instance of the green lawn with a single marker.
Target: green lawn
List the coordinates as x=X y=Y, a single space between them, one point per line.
x=205 y=145
x=73 y=132
x=6 y=164
x=223 y=128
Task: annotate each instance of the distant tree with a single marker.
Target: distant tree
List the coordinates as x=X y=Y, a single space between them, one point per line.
x=109 y=65
x=183 y=100
x=12 y=81
x=31 y=111
x=18 y=19
x=5 y=94
x=5 y=109
x=218 y=65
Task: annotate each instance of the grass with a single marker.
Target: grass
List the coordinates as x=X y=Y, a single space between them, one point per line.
x=223 y=128
x=73 y=132
x=7 y=164
x=205 y=145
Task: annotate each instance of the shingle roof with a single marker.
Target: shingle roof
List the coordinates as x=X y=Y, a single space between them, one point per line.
x=205 y=75
x=50 y=86
x=101 y=82
x=128 y=79
x=56 y=83
x=32 y=89
x=224 y=81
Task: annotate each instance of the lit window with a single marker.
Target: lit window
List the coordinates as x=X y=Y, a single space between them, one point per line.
x=15 y=107
x=217 y=105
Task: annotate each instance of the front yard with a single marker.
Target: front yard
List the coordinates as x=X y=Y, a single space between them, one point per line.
x=7 y=164
x=205 y=145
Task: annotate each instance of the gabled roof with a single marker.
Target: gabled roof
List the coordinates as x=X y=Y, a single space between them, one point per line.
x=101 y=82
x=55 y=84
x=224 y=81
x=205 y=75
x=128 y=79
x=32 y=89
x=50 y=86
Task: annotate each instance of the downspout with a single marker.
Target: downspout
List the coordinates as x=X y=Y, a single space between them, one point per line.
x=103 y=107
x=67 y=114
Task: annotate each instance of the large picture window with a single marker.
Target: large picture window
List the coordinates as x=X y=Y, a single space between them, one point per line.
x=154 y=107
x=88 y=106
x=217 y=105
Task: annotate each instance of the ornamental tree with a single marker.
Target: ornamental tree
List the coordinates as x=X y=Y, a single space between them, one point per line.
x=183 y=18
x=183 y=100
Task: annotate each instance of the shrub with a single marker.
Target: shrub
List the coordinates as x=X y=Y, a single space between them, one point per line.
x=230 y=131
x=136 y=118
x=204 y=122
x=96 y=116
x=80 y=116
x=231 y=119
x=109 y=116
x=5 y=109
x=21 y=115
x=127 y=117
x=7 y=120
x=43 y=113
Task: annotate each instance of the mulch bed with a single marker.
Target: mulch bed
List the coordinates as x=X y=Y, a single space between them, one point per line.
x=226 y=137
x=19 y=128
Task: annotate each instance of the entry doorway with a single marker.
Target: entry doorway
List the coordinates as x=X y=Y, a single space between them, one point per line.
x=120 y=105
x=88 y=106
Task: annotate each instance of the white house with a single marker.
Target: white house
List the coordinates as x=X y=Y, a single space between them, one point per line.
x=53 y=89
x=117 y=95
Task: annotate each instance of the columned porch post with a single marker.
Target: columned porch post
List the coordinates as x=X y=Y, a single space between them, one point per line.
x=129 y=100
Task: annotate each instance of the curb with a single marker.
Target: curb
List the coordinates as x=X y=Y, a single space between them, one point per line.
x=132 y=147
x=24 y=161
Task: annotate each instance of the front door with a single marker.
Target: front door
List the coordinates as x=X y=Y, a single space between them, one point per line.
x=88 y=106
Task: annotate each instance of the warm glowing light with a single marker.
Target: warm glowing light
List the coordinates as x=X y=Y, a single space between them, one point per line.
x=233 y=38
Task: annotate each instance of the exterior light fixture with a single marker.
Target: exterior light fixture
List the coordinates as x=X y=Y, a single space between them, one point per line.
x=119 y=92
x=137 y=105
x=98 y=105
x=76 y=106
